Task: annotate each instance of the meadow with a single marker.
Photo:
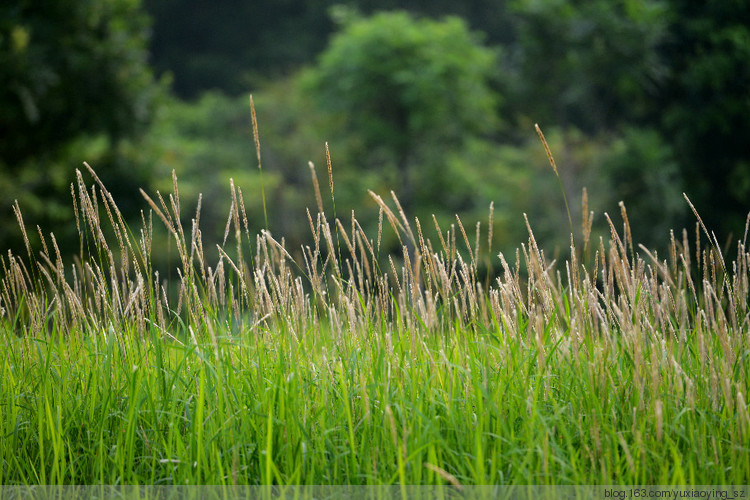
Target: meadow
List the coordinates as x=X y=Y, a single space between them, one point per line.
x=335 y=363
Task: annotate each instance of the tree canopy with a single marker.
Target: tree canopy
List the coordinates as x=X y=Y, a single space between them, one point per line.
x=74 y=83
x=705 y=107
x=408 y=91
x=236 y=45
x=676 y=67
x=68 y=68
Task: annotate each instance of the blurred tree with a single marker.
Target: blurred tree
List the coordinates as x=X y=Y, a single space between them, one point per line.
x=642 y=171
x=407 y=91
x=233 y=45
x=679 y=69
x=74 y=85
x=488 y=16
x=704 y=108
x=590 y=64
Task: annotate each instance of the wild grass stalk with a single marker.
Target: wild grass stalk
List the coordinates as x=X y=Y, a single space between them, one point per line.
x=553 y=164
x=256 y=140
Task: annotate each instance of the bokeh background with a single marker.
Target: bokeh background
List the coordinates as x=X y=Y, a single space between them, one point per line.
x=640 y=100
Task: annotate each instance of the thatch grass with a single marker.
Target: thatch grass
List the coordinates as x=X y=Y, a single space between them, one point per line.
x=348 y=366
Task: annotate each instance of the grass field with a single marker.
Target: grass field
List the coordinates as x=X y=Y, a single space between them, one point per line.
x=348 y=366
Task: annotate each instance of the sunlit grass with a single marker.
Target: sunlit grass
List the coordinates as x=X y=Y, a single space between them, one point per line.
x=352 y=367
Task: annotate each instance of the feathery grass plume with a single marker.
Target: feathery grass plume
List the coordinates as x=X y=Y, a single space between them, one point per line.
x=121 y=229
x=19 y=219
x=365 y=240
x=491 y=227
x=626 y=226
x=395 y=275
x=557 y=174
x=42 y=240
x=236 y=222
x=476 y=243
x=440 y=235
x=616 y=239
x=380 y=227
x=196 y=243
x=330 y=175
x=340 y=229
x=244 y=213
x=423 y=248
x=256 y=140
x=316 y=187
x=587 y=221
x=466 y=240
x=155 y=208
x=333 y=197
x=174 y=202
x=445 y=475
x=332 y=249
x=228 y=225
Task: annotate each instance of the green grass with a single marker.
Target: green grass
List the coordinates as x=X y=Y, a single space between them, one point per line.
x=344 y=366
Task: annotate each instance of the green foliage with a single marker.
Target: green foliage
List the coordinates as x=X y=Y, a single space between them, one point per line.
x=676 y=68
x=210 y=141
x=642 y=171
x=705 y=107
x=588 y=64
x=232 y=46
x=406 y=91
x=71 y=68
x=672 y=66
x=74 y=83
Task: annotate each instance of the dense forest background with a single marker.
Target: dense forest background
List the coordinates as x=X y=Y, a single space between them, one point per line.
x=640 y=101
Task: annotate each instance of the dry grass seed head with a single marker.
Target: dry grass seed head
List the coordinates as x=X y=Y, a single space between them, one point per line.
x=380 y=226
x=330 y=169
x=19 y=218
x=546 y=148
x=440 y=235
x=316 y=187
x=256 y=137
x=466 y=239
x=43 y=241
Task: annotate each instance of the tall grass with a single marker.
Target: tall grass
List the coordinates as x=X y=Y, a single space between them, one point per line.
x=347 y=367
